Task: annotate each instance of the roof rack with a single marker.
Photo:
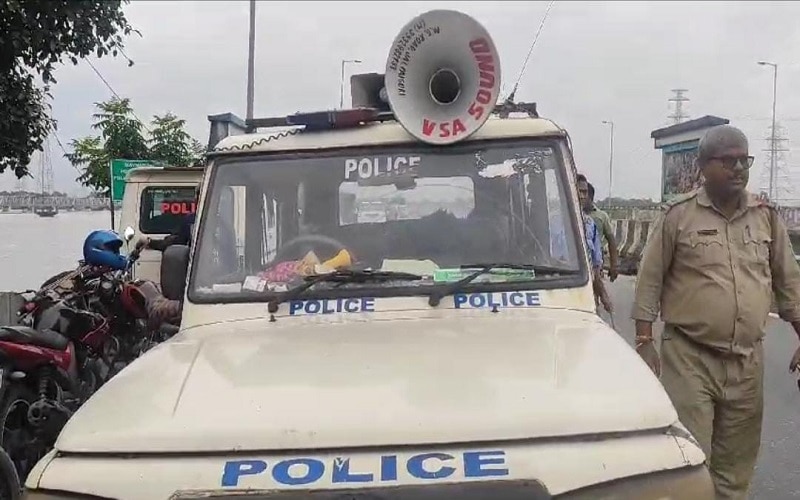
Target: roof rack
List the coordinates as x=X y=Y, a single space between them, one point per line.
x=227 y=124
x=509 y=106
x=323 y=120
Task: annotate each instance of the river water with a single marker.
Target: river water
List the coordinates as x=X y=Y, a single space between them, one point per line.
x=33 y=248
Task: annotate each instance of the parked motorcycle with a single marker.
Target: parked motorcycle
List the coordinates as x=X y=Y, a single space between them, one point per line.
x=73 y=338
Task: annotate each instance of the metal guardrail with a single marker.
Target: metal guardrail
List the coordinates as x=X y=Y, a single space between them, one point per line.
x=29 y=201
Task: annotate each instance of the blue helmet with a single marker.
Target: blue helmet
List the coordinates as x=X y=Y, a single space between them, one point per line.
x=101 y=248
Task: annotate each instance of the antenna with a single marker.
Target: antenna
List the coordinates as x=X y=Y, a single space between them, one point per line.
x=679 y=116
x=510 y=99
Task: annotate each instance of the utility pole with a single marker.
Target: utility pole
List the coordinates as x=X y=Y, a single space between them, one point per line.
x=773 y=145
x=679 y=116
x=251 y=60
x=341 y=83
x=610 y=160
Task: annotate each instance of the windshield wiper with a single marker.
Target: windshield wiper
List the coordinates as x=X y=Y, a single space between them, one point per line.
x=436 y=296
x=344 y=276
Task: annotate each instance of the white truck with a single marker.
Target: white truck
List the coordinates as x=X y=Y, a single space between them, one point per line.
x=440 y=356
x=155 y=201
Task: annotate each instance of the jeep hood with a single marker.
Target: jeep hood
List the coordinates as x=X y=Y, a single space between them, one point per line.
x=302 y=384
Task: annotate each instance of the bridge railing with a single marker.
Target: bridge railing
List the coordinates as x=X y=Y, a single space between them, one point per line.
x=632 y=227
x=26 y=201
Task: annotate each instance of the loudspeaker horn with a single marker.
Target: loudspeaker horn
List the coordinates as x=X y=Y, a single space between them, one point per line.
x=442 y=76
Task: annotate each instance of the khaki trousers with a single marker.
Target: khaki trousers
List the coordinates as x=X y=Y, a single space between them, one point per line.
x=720 y=400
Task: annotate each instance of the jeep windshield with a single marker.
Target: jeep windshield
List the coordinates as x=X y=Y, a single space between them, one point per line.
x=389 y=221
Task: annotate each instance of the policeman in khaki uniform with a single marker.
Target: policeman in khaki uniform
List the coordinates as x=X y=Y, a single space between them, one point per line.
x=710 y=267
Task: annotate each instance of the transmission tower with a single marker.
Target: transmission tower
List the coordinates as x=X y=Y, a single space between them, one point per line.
x=678 y=116
x=775 y=177
x=46 y=168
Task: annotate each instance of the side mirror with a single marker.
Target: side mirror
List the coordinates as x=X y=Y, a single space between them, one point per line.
x=128 y=234
x=174 y=264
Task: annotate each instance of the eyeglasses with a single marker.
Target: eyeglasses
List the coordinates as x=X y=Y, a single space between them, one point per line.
x=730 y=162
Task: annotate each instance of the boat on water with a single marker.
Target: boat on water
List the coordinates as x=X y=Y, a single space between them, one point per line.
x=45 y=211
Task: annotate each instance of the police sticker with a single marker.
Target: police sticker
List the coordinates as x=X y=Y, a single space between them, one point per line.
x=496 y=300
x=366 y=168
x=304 y=471
x=331 y=306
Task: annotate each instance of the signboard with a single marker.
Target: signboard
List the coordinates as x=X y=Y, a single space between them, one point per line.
x=680 y=174
x=678 y=144
x=119 y=169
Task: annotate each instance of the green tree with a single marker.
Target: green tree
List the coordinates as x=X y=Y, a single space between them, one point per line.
x=121 y=137
x=35 y=37
x=171 y=144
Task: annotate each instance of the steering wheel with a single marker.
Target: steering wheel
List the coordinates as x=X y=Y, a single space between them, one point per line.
x=297 y=244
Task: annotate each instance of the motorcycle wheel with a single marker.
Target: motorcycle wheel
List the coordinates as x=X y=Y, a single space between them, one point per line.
x=10 y=486
x=16 y=435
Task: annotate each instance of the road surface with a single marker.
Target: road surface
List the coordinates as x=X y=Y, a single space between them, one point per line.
x=778 y=470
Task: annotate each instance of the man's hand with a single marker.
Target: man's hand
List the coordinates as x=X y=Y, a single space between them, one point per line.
x=142 y=243
x=794 y=364
x=649 y=354
x=645 y=346
x=613 y=273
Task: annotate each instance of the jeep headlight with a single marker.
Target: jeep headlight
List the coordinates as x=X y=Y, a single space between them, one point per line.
x=688 y=483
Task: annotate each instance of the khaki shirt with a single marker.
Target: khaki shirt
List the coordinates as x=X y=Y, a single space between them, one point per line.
x=712 y=277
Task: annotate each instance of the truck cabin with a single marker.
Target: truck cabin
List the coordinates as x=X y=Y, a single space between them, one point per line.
x=154 y=204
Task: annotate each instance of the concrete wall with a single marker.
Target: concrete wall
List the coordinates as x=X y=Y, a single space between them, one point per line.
x=632 y=227
x=10 y=302
x=631 y=236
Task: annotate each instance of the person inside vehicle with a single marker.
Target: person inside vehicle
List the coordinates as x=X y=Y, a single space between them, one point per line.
x=181 y=235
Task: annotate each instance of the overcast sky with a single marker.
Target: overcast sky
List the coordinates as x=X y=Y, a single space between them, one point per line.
x=593 y=62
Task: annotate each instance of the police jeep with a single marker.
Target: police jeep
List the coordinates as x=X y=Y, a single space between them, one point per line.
x=452 y=350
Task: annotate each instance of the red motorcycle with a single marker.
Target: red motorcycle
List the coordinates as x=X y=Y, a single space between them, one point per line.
x=41 y=388
x=73 y=338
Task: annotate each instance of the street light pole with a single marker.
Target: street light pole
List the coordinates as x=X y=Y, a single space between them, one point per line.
x=610 y=160
x=341 y=83
x=773 y=145
x=251 y=60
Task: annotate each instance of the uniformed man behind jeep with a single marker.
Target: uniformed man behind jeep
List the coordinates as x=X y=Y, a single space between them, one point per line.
x=709 y=268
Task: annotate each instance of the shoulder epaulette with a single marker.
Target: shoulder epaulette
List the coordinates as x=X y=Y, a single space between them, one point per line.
x=678 y=200
x=763 y=202
x=768 y=204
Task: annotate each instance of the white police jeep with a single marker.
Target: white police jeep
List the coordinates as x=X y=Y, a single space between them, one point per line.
x=450 y=351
